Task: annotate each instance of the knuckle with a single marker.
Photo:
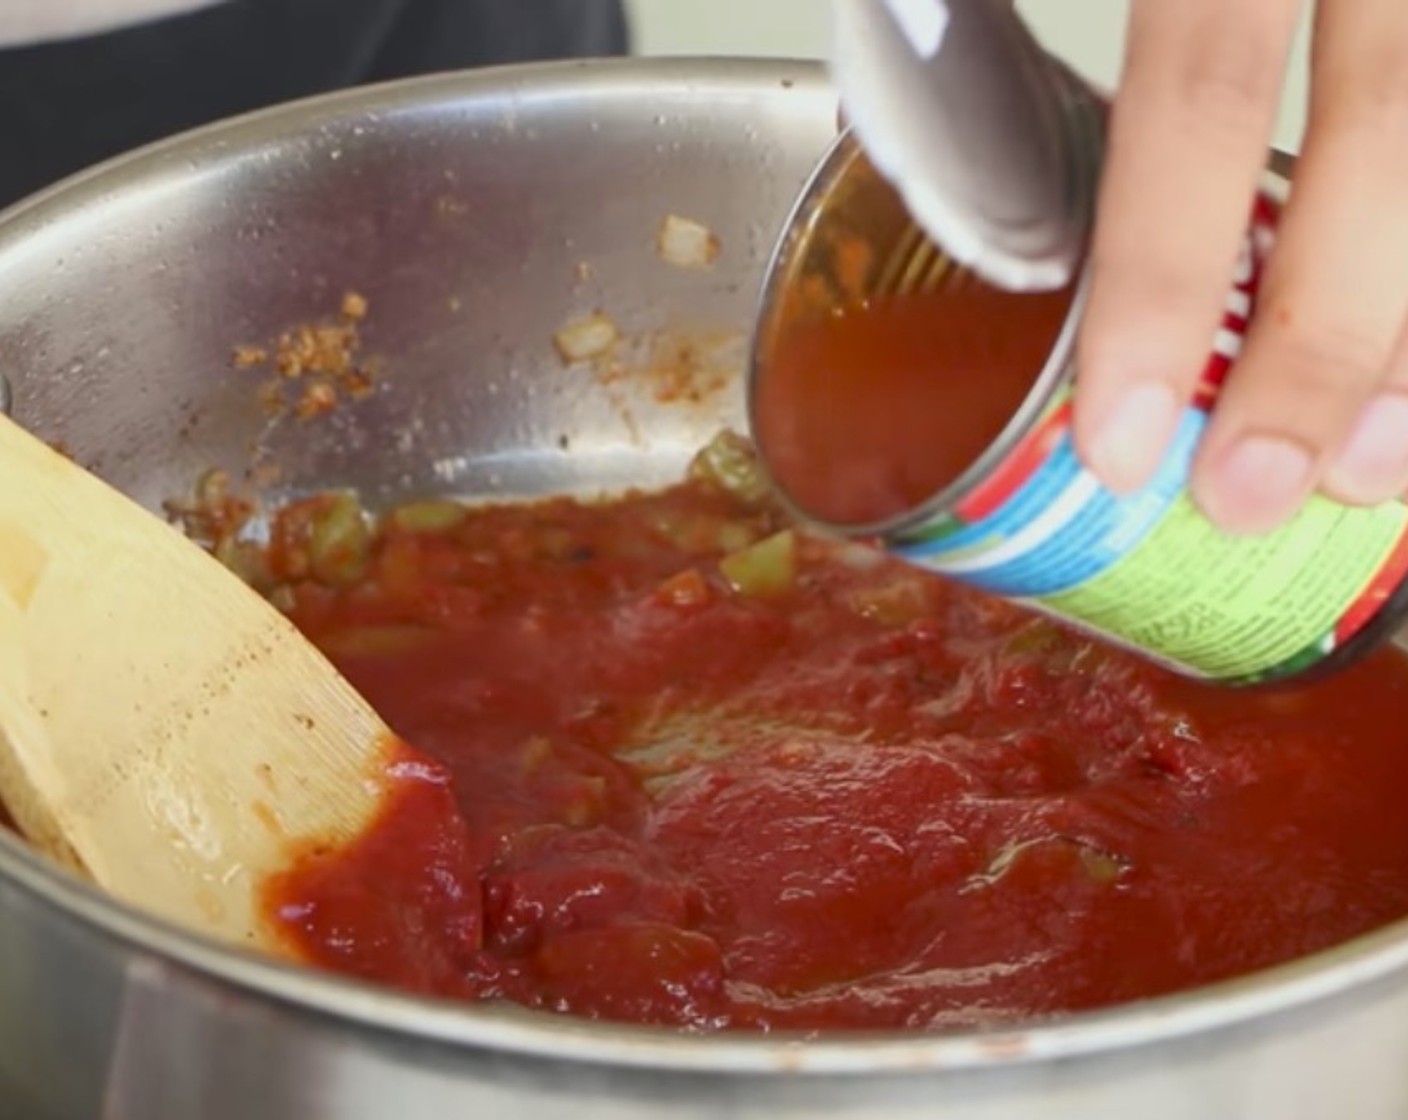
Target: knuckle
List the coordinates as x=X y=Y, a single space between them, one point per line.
x=1312 y=377
x=1329 y=352
x=1369 y=97
x=1229 y=81
x=1221 y=104
x=1214 y=69
x=1137 y=266
x=1142 y=290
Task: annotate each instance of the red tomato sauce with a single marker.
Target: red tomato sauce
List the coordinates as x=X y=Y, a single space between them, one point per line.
x=960 y=365
x=866 y=799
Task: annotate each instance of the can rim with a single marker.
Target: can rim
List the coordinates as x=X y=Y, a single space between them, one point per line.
x=1085 y=122
x=1048 y=380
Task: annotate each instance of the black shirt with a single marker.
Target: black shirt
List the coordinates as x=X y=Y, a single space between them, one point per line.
x=66 y=105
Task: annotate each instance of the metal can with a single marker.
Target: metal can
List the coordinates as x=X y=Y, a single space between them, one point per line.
x=1027 y=521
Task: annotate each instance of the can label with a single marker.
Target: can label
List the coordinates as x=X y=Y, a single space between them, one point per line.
x=1148 y=569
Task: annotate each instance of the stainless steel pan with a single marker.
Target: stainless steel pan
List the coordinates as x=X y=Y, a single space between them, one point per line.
x=462 y=208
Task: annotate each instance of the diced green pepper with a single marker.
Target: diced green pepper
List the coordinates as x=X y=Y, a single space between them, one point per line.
x=433 y=515
x=246 y=560
x=897 y=603
x=339 y=542
x=1100 y=866
x=765 y=569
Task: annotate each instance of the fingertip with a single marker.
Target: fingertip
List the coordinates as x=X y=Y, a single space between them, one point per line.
x=1373 y=465
x=1125 y=446
x=1130 y=391
x=1255 y=484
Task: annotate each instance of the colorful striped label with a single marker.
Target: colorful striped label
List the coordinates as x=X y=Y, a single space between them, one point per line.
x=1148 y=569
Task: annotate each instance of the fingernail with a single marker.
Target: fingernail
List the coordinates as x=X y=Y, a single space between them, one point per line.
x=1257 y=484
x=1135 y=436
x=1373 y=466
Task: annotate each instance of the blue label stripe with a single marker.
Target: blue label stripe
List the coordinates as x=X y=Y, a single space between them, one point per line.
x=1100 y=531
x=1027 y=503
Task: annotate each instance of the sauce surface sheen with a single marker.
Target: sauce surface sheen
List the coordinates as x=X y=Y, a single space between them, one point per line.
x=849 y=795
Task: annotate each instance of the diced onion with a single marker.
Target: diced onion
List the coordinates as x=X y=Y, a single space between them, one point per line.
x=685 y=243
x=354 y=306
x=858 y=557
x=729 y=462
x=213 y=489
x=589 y=337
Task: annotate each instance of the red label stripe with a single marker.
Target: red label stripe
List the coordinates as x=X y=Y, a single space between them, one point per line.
x=1012 y=473
x=1376 y=594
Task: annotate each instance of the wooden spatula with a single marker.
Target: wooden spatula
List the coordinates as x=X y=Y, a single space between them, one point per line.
x=162 y=728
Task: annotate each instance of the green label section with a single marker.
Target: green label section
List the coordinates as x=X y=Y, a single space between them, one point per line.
x=1237 y=607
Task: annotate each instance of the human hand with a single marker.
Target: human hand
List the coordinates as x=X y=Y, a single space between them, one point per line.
x=1319 y=397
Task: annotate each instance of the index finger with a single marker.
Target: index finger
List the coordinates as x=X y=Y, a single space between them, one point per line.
x=1188 y=138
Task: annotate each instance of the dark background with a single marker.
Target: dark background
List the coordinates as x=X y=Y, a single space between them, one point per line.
x=69 y=104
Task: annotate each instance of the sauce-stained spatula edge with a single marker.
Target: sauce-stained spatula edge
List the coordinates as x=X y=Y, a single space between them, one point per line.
x=162 y=727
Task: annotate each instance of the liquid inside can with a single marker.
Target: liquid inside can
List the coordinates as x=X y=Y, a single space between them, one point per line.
x=917 y=404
